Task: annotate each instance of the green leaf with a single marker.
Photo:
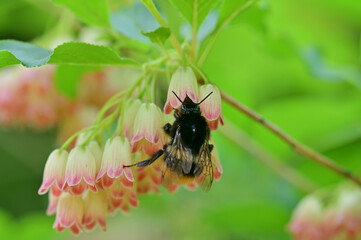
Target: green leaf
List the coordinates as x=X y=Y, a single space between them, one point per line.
x=71 y=53
x=195 y=11
x=67 y=78
x=134 y=20
x=15 y=52
x=92 y=12
x=160 y=35
x=77 y=53
x=254 y=14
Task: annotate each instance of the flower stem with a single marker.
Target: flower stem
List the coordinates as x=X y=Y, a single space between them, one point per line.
x=72 y=138
x=286 y=172
x=296 y=145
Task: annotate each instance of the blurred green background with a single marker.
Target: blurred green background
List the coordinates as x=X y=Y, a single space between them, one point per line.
x=295 y=62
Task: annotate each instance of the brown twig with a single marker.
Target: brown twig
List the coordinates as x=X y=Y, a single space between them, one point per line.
x=296 y=145
x=286 y=172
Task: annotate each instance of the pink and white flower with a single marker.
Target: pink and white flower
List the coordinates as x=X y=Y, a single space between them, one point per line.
x=117 y=153
x=148 y=178
x=80 y=171
x=54 y=172
x=95 y=209
x=130 y=111
x=122 y=197
x=212 y=106
x=345 y=216
x=52 y=204
x=183 y=83
x=69 y=213
x=307 y=220
x=148 y=125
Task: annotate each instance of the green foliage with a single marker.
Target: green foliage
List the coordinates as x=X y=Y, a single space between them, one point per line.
x=92 y=12
x=194 y=11
x=160 y=35
x=76 y=53
x=14 y=52
x=132 y=21
x=72 y=53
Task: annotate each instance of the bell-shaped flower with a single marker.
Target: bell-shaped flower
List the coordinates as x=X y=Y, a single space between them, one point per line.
x=52 y=204
x=130 y=111
x=95 y=210
x=122 y=198
x=183 y=83
x=307 y=220
x=345 y=215
x=97 y=152
x=80 y=171
x=117 y=153
x=148 y=129
x=69 y=213
x=54 y=172
x=148 y=178
x=212 y=106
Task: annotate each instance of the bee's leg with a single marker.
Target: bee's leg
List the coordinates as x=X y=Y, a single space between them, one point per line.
x=176 y=114
x=167 y=128
x=147 y=162
x=210 y=147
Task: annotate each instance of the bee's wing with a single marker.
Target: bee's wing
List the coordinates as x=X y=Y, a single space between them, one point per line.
x=205 y=177
x=178 y=160
x=169 y=177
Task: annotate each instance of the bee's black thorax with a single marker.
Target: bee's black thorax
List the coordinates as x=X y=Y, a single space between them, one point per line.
x=193 y=130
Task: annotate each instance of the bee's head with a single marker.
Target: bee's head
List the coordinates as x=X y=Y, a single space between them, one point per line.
x=188 y=106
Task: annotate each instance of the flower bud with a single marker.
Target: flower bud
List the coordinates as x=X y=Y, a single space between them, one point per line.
x=148 y=129
x=183 y=83
x=95 y=149
x=130 y=111
x=80 y=171
x=52 y=205
x=95 y=210
x=54 y=172
x=117 y=153
x=69 y=213
x=212 y=106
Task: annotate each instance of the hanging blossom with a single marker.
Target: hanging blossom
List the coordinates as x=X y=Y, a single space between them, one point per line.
x=337 y=218
x=307 y=220
x=212 y=107
x=28 y=98
x=94 y=180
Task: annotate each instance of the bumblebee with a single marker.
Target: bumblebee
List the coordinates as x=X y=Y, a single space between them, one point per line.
x=187 y=155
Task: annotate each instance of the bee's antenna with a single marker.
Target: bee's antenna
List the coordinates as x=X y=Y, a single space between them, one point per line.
x=177 y=97
x=205 y=98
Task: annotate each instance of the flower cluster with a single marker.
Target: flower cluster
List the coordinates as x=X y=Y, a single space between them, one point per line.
x=28 y=98
x=91 y=180
x=315 y=218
